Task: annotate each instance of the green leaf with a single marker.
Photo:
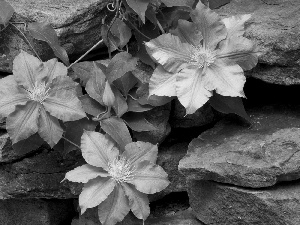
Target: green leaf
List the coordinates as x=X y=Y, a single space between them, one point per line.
x=120 y=64
x=213 y=4
x=23 y=122
x=49 y=128
x=227 y=104
x=74 y=131
x=125 y=83
x=29 y=144
x=120 y=105
x=94 y=192
x=118 y=130
x=45 y=32
x=91 y=106
x=82 y=71
x=114 y=208
x=122 y=31
x=135 y=106
x=138 y=202
x=6 y=12
x=137 y=122
x=171 y=3
x=139 y=6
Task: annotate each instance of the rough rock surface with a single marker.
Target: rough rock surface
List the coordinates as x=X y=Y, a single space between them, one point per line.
x=179 y=119
x=259 y=156
x=77 y=24
x=274 y=26
x=217 y=204
x=35 y=212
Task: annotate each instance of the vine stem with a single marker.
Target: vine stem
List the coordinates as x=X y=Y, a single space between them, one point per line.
x=80 y=58
x=160 y=27
x=137 y=30
x=71 y=142
x=26 y=40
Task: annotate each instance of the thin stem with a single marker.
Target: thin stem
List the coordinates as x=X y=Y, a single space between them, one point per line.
x=71 y=142
x=117 y=7
x=137 y=30
x=26 y=40
x=160 y=27
x=80 y=58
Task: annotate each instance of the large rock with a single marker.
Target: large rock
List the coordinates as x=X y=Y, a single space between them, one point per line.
x=77 y=23
x=257 y=156
x=217 y=204
x=35 y=212
x=275 y=27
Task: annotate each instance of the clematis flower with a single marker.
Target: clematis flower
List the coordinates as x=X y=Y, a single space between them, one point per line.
x=202 y=56
x=117 y=182
x=35 y=97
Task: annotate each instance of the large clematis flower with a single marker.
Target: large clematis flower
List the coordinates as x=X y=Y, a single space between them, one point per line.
x=36 y=96
x=202 y=56
x=117 y=182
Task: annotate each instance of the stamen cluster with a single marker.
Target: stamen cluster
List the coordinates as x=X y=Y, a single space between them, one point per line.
x=121 y=170
x=39 y=92
x=202 y=57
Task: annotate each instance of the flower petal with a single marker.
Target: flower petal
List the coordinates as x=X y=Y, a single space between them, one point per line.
x=210 y=25
x=94 y=192
x=55 y=69
x=27 y=69
x=169 y=51
x=114 y=208
x=162 y=83
x=23 y=122
x=149 y=178
x=139 y=151
x=188 y=33
x=97 y=150
x=10 y=95
x=84 y=173
x=235 y=24
x=49 y=128
x=138 y=201
x=62 y=83
x=64 y=105
x=239 y=50
x=226 y=79
x=192 y=89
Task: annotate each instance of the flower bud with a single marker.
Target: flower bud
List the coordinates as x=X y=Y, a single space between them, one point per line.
x=108 y=97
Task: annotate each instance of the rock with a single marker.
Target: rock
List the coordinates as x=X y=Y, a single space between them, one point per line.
x=158 y=117
x=259 y=156
x=216 y=204
x=201 y=117
x=274 y=26
x=35 y=212
x=77 y=24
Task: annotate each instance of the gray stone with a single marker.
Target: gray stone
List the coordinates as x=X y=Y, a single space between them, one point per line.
x=217 y=204
x=274 y=27
x=259 y=156
x=77 y=23
x=35 y=212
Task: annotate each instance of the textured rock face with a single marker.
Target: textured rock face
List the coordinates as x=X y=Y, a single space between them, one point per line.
x=259 y=156
x=77 y=24
x=35 y=212
x=274 y=26
x=217 y=204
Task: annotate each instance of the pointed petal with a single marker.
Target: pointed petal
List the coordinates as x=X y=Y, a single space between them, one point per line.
x=149 y=178
x=170 y=52
x=114 y=208
x=49 y=128
x=188 y=33
x=139 y=151
x=10 y=95
x=60 y=83
x=227 y=79
x=64 y=105
x=192 y=88
x=162 y=83
x=23 y=122
x=55 y=69
x=138 y=201
x=235 y=24
x=84 y=173
x=239 y=50
x=94 y=192
x=97 y=150
x=210 y=25
x=27 y=69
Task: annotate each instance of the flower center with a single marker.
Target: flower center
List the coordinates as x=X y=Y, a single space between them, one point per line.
x=121 y=170
x=39 y=92
x=202 y=57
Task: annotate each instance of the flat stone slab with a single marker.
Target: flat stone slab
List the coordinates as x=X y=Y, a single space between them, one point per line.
x=257 y=156
x=274 y=26
x=215 y=204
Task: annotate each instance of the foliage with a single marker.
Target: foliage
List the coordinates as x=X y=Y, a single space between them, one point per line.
x=96 y=104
